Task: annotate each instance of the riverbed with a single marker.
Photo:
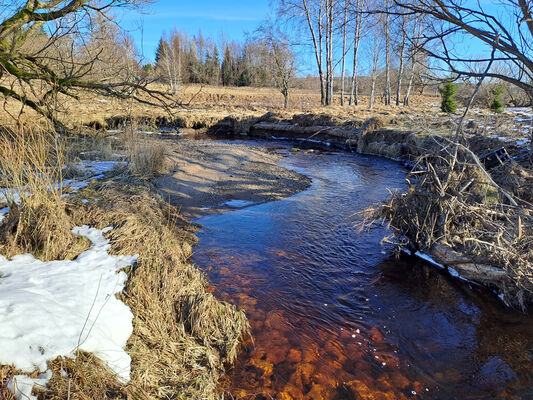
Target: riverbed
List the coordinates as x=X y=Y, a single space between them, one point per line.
x=335 y=314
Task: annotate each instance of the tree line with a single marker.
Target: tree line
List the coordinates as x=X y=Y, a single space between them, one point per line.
x=50 y=49
x=264 y=61
x=400 y=42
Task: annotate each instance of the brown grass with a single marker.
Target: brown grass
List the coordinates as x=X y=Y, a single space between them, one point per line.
x=147 y=156
x=183 y=337
x=5 y=374
x=38 y=222
x=171 y=356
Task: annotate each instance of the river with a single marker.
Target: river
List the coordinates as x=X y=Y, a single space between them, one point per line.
x=336 y=315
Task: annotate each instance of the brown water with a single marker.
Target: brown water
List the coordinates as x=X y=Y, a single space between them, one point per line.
x=336 y=316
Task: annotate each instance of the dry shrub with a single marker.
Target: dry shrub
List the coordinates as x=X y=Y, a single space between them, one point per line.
x=147 y=156
x=38 y=221
x=466 y=211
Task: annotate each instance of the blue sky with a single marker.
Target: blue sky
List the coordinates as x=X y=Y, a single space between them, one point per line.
x=215 y=18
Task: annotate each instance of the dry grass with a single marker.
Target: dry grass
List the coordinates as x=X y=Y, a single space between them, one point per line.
x=172 y=357
x=38 y=222
x=452 y=201
x=147 y=157
x=183 y=337
x=5 y=374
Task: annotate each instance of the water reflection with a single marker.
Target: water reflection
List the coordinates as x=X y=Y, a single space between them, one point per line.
x=336 y=316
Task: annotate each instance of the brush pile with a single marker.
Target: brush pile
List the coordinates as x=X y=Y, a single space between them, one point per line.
x=458 y=214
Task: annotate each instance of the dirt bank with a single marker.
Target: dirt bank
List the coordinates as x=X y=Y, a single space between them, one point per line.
x=206 y=175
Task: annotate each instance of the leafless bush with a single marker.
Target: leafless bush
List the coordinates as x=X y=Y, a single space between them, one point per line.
x=453 y=201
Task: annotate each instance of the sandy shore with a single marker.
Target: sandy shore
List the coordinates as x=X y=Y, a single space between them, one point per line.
x=206 y=175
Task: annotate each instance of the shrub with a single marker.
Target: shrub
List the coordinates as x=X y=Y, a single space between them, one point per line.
x=497 y=104
x=448 y=102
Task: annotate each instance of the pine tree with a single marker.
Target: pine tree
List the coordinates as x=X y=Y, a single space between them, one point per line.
x=216 y=66
x=162 y=51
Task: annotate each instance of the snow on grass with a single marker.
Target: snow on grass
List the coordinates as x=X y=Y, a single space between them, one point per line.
x=22 y=385
x=51 y=309
x=91 y=170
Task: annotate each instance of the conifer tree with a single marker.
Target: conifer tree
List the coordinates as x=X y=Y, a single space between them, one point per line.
x=448 y=101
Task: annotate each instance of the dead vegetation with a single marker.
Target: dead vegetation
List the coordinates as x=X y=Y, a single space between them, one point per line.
x=31 y=162
x=455 y=211
x=183 y=337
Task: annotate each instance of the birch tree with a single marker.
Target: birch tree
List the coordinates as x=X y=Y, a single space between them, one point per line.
x=358 y=28
x=344 y=41
x=404 y=23
x=310 y=14
x=386 y=34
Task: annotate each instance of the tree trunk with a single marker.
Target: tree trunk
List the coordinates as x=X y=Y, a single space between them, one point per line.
x=354 y=99
x=317 y=44
x=401 y=55
x=387 y=55
x=407 y=97
x=345 y=27
x=374 y=72
x=329 y=52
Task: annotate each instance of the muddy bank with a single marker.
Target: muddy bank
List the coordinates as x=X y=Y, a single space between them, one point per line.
x=208 y=177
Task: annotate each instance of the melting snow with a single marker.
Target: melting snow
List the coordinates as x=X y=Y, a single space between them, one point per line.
x=51 y=309
x=22 y=385
x=93 y=170
x=237 y=203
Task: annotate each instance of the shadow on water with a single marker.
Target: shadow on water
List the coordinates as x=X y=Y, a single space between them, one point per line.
x=336 y=316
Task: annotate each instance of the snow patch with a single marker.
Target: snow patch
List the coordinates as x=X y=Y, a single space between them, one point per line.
x=237 y=203
x=51 y=309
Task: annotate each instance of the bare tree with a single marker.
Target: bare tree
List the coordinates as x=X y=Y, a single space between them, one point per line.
x=404 y=23
x=376 y=49
x=311 y=14
x=49 y=49
x=344 y=39
x=510 y=33
x=414 y=55
x=329 y=51
x=358 y=28
x=280 y=59
x=386 y=33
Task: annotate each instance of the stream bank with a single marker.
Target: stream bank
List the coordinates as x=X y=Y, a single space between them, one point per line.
x=335 y=315
x=380 y=135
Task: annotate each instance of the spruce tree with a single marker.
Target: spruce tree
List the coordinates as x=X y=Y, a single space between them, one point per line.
x=227 y=68
x=161 y=52
x=448 y=101
x=497 y=104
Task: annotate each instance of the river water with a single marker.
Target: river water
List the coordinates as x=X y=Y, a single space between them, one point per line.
x=335 y=315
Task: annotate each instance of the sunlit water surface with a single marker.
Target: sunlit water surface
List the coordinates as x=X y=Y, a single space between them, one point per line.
x=335 y=315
